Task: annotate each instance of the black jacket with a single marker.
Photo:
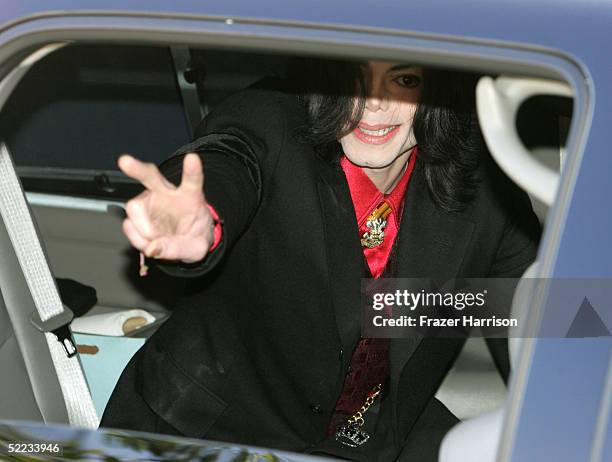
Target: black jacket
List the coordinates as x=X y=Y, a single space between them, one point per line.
x=258 y=350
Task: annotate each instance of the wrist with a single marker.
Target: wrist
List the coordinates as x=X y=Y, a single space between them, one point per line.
x=214 y=236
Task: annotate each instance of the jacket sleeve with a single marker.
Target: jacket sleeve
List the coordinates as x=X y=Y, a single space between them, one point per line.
x=519 y=244
x=239 y=143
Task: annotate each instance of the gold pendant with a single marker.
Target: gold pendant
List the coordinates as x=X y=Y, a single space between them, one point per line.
x=376 y=223
x=376 y=234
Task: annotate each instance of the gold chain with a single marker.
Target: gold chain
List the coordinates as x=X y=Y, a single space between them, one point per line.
x=358 y=416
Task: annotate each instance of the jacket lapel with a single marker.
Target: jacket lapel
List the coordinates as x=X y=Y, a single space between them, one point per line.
x=432 y=243
x=343 y=252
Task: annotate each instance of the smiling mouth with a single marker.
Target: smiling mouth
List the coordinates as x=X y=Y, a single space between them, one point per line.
x=380 y=132
x=375 y=134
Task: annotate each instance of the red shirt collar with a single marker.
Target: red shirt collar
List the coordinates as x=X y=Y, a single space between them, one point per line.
x=366 y=196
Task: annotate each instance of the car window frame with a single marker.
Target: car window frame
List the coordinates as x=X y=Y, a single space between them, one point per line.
x=480 y=55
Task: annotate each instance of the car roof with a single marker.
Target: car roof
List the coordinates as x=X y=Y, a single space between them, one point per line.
x=570 y=25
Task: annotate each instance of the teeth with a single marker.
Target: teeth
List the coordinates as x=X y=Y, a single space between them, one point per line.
x=381 y=132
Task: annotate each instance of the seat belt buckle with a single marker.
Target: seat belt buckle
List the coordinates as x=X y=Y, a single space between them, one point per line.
x=58 y=325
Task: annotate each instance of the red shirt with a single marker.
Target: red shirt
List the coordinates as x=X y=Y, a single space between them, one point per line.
x=366 y=197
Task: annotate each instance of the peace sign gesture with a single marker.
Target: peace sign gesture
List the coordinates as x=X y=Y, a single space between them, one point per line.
x=166 y=221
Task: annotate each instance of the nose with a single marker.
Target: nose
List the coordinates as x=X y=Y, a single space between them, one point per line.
x=376 y=96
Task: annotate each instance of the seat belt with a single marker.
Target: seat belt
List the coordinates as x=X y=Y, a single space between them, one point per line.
x=50 y=317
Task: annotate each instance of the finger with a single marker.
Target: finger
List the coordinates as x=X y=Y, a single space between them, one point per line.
x=147 y=173
x=183 y=248
x=156 y=249
x=135 y=238
x=138 y=215
x=193 y=175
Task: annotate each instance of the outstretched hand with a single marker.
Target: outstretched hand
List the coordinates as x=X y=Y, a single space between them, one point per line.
x=166 y=221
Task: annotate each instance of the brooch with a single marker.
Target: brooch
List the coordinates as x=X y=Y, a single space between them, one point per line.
x=376 y=223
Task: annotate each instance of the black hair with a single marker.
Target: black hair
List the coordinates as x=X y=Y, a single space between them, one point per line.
x=445 y=125
x=447 y=132
x=327 y=89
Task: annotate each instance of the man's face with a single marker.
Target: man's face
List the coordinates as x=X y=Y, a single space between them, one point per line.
x=385 y=130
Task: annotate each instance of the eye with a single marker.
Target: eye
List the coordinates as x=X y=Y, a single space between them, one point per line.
x=408 y=80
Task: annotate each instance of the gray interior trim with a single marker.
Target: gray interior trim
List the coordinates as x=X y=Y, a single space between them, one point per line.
x=22 y=403
x=32 y=343
x=69 y=202
x=16 y=384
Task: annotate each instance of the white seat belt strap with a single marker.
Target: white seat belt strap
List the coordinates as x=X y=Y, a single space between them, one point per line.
x=51 y=317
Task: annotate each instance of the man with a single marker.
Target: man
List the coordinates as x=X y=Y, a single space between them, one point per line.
x=303 y=196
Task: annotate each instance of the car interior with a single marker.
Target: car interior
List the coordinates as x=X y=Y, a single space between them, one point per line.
x=65 y=124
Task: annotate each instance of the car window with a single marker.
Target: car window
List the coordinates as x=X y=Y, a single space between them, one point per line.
x=76 y=110
x=79 y=108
